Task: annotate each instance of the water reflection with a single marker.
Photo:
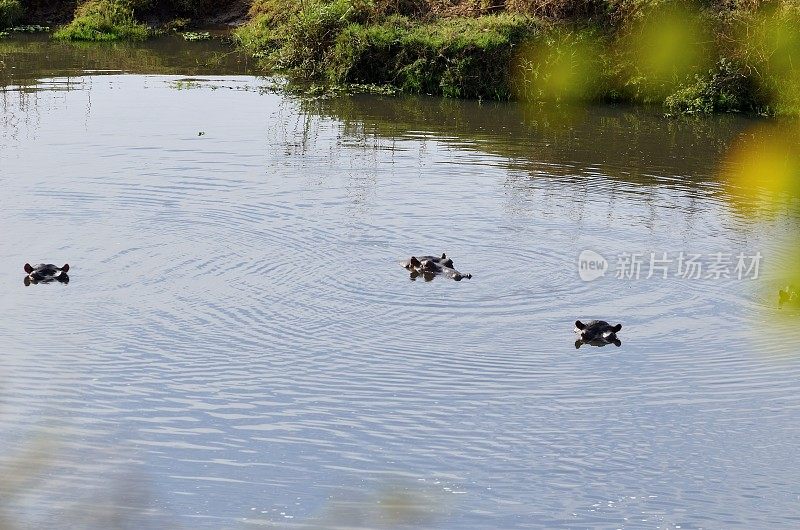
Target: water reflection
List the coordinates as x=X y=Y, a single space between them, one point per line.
x=599 y=343
x=27 y=59
x=598 y=155
x=632 y=145
x=35 y=67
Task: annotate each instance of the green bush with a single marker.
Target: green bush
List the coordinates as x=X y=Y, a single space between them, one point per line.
x=105 y=20
x=258 y=36
x=312 y=32
x=460 y=57
x=274 y=12
x=10 y=12
x=724 y=89
x=730 y=55
x=354 y=41
x=297 y=36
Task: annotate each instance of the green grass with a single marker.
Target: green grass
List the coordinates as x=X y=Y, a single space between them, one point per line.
x=703 y=57
x=104 y=20
x=349 y=41
x=458 y=57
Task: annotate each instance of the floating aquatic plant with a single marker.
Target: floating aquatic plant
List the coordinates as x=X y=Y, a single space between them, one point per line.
x=196 y=35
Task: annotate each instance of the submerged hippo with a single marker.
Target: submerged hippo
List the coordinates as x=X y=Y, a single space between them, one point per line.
x=597 y=333
x=789 y=297
x=430 y=266
x=46 y=273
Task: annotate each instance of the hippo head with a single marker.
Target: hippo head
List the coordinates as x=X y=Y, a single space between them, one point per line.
x=45 y=273
x=429 y=265
x=597 y=332
x=580 y=326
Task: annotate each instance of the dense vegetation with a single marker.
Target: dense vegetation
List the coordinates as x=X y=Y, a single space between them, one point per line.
x=10 y=12
x=692 y=57
x=723 y=55
x=104 y=20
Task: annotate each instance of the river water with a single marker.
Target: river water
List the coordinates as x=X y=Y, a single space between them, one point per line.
x=238 y=346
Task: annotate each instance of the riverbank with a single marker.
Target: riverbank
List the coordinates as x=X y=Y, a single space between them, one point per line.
x=726 y=56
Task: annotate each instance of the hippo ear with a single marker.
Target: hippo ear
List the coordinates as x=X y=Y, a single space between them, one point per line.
x=414 y=261
x=580 y=325
x=65 y=268
x=616 y=328
x=28 y=268
x=444 y=256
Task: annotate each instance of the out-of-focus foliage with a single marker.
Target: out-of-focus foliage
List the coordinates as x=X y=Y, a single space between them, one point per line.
x=561 y=66
x=660 y=49
x=762 y=168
